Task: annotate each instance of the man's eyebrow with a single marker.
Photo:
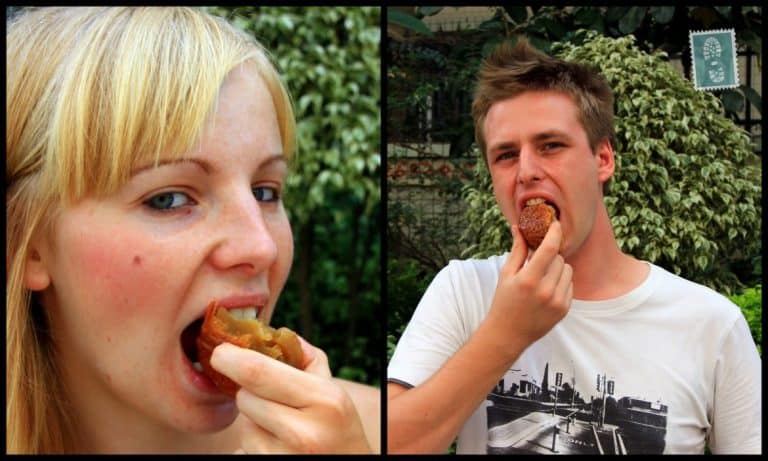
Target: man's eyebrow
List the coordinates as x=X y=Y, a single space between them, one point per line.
x=503 y=146
x=551 y=134
x=538 y=137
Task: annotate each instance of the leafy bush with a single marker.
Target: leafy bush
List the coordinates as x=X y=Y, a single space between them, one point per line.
x=686 y=192
x=406 y=283
x=750 y=302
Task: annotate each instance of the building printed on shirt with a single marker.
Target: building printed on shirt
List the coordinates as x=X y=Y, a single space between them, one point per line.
x=531 y=414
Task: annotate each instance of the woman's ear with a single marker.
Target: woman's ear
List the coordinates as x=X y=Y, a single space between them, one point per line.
x=36 y=276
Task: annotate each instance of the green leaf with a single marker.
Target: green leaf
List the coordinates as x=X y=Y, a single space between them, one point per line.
x=554 y=27
x=408 y=21
x=539 y=43
x=518 y=14
x=631 y=21
x=429 y=10
x=491 y=45
x=586 y=16
x=662 y=14
x=753 y=40
x=614 y=13
x=733 y=101
x=725 y=11
x=753 y=97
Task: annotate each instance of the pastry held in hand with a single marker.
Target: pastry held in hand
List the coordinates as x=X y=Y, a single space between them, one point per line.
x=220 y=326
x=535 y=220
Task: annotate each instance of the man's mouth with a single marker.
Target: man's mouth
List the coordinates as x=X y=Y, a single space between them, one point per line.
x=539 y=201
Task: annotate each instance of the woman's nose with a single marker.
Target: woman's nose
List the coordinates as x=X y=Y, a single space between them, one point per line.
x=246 y=239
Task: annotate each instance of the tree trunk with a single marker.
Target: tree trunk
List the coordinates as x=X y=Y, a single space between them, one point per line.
x=304 y=280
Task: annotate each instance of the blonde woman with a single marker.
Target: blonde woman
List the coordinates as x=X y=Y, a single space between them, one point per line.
x=147 y=150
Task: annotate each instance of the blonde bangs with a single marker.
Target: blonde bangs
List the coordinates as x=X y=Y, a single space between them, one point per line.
x=115 y=103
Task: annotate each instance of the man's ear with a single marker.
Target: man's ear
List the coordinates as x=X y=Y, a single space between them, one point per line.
x=605 y=160
x=36 y=275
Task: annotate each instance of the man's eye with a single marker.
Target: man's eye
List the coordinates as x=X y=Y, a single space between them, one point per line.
x=506 y=155
x=168 y=201
x=266 y=194
x=552 y=145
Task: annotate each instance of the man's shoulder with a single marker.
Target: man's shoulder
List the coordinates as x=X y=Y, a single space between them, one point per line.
x=687 y=290
x=492 y=263
x=470 y=275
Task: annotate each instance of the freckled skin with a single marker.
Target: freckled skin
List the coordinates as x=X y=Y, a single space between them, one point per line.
x=126 y=280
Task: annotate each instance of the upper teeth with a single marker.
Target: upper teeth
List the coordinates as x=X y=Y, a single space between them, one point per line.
x=534 y=201
x=244 y=313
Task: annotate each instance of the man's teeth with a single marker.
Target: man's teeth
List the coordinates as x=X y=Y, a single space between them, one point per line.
x=534 y=201
x=244 y=313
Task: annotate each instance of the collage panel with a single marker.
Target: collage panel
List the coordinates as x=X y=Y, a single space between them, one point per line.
x=573 y=229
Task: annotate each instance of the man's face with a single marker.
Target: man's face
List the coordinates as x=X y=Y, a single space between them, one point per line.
x=538 y=148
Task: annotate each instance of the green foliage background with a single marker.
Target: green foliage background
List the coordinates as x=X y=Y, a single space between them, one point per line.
x=687 y=188
x=330 y=60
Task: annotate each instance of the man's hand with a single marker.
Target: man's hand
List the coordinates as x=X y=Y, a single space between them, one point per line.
x=530 y=299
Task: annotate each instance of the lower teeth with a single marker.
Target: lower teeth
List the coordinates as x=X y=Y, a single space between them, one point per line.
x=197 y=366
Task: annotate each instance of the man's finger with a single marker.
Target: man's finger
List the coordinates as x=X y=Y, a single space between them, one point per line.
x=517 y=254
x=548 y=249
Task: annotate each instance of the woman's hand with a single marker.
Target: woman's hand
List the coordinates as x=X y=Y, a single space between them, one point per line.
x=289 y=410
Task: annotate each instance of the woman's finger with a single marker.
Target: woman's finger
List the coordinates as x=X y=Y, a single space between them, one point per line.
x=267 y=377
x=282 y=422
x=255 y=439
x=318 y=361
x=331 y=426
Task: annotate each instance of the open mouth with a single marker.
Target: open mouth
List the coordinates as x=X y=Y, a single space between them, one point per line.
x=188 y=342
x=190 y=334
x=539 y=201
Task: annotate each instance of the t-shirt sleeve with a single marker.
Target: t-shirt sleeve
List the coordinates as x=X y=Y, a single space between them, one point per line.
x=736 y=426
x=433 y=334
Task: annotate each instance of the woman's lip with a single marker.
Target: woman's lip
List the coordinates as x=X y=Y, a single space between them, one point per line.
x=198 y=379
x=237 y=301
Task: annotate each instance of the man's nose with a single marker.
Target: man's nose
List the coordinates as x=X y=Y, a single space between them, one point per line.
x=529 y=166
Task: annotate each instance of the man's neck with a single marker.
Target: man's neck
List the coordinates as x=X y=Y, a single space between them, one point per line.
x=600 y=269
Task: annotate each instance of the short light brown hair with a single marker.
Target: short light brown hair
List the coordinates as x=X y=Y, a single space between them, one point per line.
x=512 y=70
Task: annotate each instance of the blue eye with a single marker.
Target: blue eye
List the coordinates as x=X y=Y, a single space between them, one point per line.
x=168 y=201
x=266 y=194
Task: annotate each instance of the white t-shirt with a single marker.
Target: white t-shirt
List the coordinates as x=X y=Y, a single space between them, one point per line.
x=675 y=361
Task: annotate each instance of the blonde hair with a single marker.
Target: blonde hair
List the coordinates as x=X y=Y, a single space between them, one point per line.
x=92 y=93
x=511 y=70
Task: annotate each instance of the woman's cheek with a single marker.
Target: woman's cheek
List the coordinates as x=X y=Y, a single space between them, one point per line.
x=122 y=273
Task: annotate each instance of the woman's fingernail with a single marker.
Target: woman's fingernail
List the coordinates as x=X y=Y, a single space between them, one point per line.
x=307 y=349
x=223 y=354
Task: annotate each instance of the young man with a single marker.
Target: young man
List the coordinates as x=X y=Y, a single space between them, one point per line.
x=575 y=347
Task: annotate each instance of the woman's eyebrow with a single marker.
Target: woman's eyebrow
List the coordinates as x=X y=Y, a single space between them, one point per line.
x=273 y=159
x=206 y=166
x=203 y=164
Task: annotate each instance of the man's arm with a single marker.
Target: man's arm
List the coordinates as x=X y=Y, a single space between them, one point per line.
x=737 y=422
x=427 y=418
x=528 y=302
